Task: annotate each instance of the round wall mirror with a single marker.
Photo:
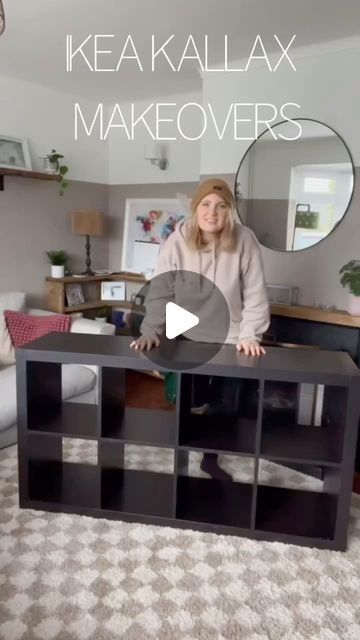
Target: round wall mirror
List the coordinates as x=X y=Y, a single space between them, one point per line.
x=294 y=184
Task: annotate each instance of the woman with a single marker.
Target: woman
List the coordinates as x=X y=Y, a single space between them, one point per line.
x=210 y=243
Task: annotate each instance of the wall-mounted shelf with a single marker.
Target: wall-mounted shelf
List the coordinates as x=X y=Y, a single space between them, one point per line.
x=21 y=173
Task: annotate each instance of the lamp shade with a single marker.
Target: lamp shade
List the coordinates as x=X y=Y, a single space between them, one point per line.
x=87 y=223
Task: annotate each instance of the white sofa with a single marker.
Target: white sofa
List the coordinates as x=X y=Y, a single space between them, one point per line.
x=79 y=382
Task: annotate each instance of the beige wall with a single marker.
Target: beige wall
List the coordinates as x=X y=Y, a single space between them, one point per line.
x=34 y=219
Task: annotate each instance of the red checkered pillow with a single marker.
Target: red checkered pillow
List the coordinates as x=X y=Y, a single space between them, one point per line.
x=24 y=328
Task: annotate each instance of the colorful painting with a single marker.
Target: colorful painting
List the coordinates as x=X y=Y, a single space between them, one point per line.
x=158 y=224
x=149 y=221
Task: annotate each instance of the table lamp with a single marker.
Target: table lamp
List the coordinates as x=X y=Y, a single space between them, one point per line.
x=87 y=223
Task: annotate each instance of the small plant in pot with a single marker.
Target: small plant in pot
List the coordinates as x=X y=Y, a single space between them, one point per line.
x=350 y=277
x=53 y=165
x=58 y=260
x=102 y=314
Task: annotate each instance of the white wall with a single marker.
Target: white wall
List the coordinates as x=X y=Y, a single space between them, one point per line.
x=126 y=157
x=323 y=85
x=46 y=118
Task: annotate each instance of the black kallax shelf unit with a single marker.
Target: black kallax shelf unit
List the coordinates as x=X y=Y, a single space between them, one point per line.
x=257 y=430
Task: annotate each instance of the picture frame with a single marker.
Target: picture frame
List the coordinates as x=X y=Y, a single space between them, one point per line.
x=283 y=294
x=148 y=220
x=74 y=294
x=113 y=290
x=14 y=153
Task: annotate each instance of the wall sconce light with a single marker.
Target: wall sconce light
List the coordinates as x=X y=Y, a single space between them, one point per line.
x=156 y=154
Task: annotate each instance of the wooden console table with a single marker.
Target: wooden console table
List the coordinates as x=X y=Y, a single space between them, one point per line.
x=250 y=509
x=328 y=329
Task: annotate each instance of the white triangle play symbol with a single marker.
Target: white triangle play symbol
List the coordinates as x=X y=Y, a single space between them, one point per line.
x=178 y=320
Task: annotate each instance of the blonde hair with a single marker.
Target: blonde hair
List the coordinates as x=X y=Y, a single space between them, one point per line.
x=226 y=237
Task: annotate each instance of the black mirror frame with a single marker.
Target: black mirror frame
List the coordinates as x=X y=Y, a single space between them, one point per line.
x=350 y=199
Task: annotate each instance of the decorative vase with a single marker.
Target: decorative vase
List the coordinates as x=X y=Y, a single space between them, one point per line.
x=49 y=167
x=354 y=305
x=57 y=271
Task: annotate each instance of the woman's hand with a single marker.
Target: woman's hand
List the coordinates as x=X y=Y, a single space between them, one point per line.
x=144 y=343
x=250 y=347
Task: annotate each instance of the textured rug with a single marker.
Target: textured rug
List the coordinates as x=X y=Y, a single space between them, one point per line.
x=65 y=577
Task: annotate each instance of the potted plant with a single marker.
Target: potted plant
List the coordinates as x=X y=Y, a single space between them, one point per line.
x=102 y=314
x=350 y=276
x=58 y=260
x=52 y=164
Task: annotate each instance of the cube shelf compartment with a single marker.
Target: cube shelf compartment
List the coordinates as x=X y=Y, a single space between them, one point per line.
x=259 y=427
x=71 y=419
x=234 y=435
x=64 y=484
x=137 y=492
x=148 y=427
x=301 y=513
x=229 y=434
x=214 y=502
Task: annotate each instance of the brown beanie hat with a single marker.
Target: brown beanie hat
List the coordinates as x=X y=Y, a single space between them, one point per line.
x=212 y=185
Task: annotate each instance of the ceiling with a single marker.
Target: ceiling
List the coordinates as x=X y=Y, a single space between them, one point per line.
x=33 y=44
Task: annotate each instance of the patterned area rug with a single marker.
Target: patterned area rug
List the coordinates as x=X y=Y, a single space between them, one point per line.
x=65 y=577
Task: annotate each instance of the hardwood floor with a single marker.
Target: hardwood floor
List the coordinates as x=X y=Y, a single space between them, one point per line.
x=144 y=391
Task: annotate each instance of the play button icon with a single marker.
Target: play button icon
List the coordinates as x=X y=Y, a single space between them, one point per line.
x=187 y=312
x=178 y=320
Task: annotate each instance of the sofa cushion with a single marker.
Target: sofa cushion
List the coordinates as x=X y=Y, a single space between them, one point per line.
x=24 y=328
x=14 y=300
x=7 y=350
x=75 y=380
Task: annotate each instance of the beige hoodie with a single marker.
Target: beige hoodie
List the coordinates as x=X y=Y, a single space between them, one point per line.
x=239 y=276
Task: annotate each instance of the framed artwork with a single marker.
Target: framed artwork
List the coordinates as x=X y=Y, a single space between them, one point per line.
x=149 y=221
x=74 y=294
x=283 y=294
x=14 y=153
x=113 y=290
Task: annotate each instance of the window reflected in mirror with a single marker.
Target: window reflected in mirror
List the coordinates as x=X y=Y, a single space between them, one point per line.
x=293 y=192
